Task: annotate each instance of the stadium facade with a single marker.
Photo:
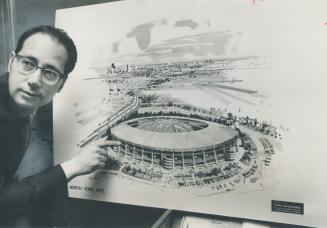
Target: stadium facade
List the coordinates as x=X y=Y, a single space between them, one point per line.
x=175 y=142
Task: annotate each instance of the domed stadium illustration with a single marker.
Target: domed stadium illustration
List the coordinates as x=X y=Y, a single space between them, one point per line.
x=175 y=142
x=169 y=143
x=180 y=149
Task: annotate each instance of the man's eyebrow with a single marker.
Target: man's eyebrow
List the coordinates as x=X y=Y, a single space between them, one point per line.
x=51 y=67
x=31 y=58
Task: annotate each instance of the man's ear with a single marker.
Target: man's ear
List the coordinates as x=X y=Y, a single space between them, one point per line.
x=11 y=59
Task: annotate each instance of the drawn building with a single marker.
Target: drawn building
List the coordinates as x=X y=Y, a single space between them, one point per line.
x=175 y=142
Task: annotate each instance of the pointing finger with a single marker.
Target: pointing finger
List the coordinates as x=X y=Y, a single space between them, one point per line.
x=107 y=143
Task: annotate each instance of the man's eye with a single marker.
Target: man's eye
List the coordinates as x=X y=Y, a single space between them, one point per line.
x=27 y=64
x=50 y=75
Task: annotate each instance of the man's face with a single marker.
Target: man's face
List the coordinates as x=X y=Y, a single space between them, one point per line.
x=29 y=92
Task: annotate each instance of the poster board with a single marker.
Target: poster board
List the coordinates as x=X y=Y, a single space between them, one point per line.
x=220 y=106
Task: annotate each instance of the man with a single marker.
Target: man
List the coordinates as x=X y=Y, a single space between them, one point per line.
x=37 y=70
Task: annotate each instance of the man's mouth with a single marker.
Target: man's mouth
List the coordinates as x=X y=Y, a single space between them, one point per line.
x=30 y=94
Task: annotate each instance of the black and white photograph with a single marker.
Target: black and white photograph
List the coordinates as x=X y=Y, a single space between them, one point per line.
x=163 y=113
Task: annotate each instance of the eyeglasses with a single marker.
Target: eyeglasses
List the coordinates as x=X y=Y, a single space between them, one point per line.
x=27 y=66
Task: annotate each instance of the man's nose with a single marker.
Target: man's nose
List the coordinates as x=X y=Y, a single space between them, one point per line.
x=35 y=79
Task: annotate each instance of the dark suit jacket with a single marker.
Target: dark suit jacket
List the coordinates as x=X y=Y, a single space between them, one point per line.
x=20 y=198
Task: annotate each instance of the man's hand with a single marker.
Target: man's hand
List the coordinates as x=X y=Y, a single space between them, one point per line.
x=90 y=158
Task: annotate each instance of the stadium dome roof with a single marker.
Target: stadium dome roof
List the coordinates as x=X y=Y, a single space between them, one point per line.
x=171 y=133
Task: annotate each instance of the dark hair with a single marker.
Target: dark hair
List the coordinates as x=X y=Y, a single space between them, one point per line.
x=61 y=36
